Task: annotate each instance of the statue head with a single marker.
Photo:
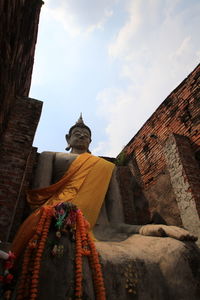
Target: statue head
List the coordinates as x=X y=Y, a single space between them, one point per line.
x=79 y=137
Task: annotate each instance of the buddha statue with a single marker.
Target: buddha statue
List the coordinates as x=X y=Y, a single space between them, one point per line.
x=110 y=224
x=139 y=261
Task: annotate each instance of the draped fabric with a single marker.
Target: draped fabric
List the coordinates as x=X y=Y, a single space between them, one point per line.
x=84 y=184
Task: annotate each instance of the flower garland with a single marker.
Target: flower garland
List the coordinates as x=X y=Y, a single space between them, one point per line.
x=6 y=278
x=67 y=218
x=86 y=247
x=32 y=258
x=97 y=272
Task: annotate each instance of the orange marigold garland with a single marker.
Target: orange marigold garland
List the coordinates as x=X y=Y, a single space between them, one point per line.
x=68 y=218
x=78 y=267
x=32 y=258
x=97 y=271
x=24 y=273
x=38 y=256
x=85 y=246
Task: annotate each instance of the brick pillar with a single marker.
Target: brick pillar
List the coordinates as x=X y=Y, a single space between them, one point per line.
x=16 y=160
x=185 y=178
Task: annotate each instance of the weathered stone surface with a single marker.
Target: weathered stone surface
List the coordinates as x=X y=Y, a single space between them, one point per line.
x=162 y=202
x=182 y=167
x=163 y=268
x=142 y=268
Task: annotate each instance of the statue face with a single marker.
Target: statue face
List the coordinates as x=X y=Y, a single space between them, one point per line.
x=80 y=139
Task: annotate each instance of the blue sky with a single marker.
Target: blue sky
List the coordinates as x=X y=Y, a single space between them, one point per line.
x=113 y=60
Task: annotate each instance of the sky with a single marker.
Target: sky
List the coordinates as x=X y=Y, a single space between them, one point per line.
x=113 y=60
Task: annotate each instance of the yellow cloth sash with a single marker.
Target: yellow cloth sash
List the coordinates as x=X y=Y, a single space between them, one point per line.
x=85 y=184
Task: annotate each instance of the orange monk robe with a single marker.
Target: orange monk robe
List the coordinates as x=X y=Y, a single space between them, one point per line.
x=84 y=184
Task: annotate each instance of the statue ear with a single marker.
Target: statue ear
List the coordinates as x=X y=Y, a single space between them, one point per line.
x=67 y=139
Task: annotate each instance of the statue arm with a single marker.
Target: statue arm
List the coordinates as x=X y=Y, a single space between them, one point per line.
x=114 y=208
x=43 y=174
x=113 y=199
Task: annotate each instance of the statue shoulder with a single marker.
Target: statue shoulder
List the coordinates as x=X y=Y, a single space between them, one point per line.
x=51 y=167
x=46 y=155
x=50 y=156
x=43 y=172
x=61 y=163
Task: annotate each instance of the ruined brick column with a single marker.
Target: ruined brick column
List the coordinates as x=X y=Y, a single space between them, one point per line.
x=17 y=158
x=185 y=178
x=19 y=27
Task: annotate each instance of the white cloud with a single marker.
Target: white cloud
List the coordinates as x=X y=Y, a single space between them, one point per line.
x=62 y=15
x=156 y=48
x=120 y=45
x=80 y=16
x=101 y=23
x=123 y=114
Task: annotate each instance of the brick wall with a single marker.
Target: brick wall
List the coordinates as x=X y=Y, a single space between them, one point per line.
x=179 y=113
x=17 y=157
x=145 y=153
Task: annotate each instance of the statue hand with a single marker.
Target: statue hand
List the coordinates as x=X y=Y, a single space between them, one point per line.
x=170 y=231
